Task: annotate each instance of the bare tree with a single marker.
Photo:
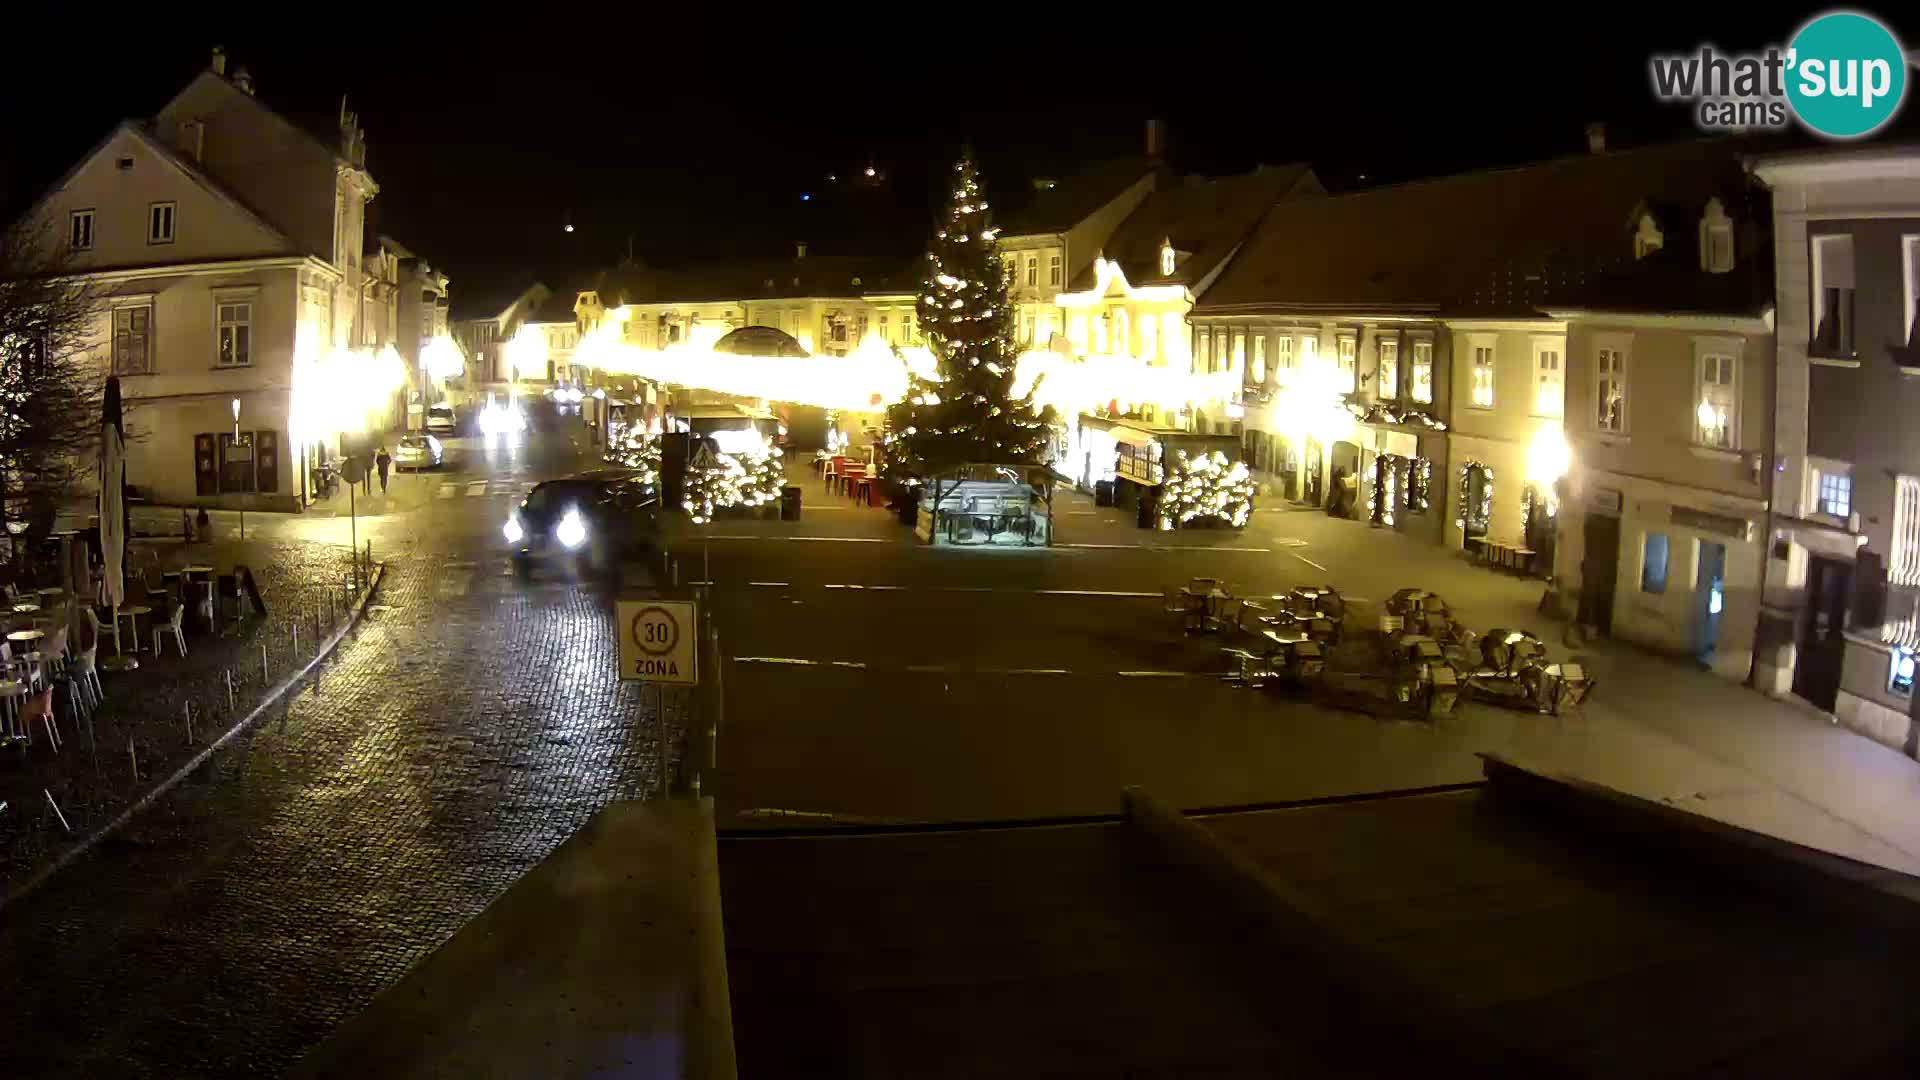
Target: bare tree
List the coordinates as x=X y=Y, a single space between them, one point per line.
x=50 y=384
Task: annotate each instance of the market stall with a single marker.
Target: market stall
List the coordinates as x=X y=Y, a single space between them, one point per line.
x=987 y=505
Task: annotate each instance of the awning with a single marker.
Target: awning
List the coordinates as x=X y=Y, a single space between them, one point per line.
x=1132 y=436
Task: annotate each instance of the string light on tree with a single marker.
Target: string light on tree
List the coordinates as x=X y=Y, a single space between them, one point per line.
x=966 y=409
x=1206 y=487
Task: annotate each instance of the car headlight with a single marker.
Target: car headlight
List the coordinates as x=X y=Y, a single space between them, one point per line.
x=572 y=531
x=512 y=529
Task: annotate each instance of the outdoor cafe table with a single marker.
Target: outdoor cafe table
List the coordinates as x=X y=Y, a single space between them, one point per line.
x=26 y=607
x=201 y=576
x=132 y=615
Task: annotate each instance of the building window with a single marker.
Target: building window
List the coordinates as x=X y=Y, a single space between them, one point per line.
x=1259 y=370
x=1389 y=369
x=1832 y=296
x=234 y=320
x=133 y=340
x=1716 y=239
x=1836 y=493
x=1647 y=237
x=1910 y=252
x=1239 y=355
x=1422 y=375
x=1483 y=374
x=1122 y=340
x=1903 y=564
x=1283 y=354
x=1033 y=270
x=1653 y=563
x=1222 y=359
x=1610 y=389
x=1345 y=347
x=1030 y=327
x=1717 y=417
x=160 y=223
x=1053 y=270
x=1013 y=270
x=1309 y=351
x=80 y=230
x=1166 y=259
x=1549 y=388
x=1149 y=337
x=237 y=469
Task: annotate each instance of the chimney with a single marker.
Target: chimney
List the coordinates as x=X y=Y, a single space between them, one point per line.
x=243 y=80
x=219 y=61
x=1156 y=139
x=800 y=249
x=1596 y=138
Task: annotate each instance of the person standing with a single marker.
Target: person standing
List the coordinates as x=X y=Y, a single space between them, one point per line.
x=384 y=461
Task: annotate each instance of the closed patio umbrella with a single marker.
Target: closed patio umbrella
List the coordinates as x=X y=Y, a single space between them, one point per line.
x=113 y=520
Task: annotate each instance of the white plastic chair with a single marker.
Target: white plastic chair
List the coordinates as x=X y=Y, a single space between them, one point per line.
x=171 y=626
x=85 y=675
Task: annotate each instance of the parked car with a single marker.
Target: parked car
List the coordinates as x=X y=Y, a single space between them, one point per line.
x=418 y=452
x=441 y=419
x=590 y=521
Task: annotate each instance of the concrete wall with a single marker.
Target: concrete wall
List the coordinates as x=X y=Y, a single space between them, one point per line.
x=188 y=395
x=1499 y=435
x=207 y=227
x=1659 y=440
x=1864 y=703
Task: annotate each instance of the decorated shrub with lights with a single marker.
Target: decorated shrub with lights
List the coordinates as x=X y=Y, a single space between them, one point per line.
x=748 y=480
x=966 y=410
x=1206 y=487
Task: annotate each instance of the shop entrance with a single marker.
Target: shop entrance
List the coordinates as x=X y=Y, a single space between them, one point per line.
x=1599 y=571
x=1709 y=597
x=1820 y=646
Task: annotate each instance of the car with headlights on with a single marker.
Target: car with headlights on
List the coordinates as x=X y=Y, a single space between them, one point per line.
x=441 y=419
x=418 y=452
x=588 y=522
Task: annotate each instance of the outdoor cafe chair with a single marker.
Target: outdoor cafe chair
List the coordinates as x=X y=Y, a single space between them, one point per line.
x=171 y=626
x=39 y=706
x=84 y=675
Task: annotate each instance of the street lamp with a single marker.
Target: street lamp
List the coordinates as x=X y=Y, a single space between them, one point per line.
x=236 y=442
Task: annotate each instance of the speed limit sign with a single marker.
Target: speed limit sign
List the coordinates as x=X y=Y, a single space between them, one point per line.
x=658 y=641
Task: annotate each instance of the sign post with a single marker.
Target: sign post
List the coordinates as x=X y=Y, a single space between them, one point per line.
x=659 y=641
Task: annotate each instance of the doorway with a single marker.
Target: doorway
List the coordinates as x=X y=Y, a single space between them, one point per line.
x=1709 y=597
x=1599 y=571
x=1820 y=645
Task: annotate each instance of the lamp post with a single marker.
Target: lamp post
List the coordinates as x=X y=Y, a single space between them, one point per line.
x=236 y=442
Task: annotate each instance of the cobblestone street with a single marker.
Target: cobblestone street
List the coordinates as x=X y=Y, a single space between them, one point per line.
x=466 y=728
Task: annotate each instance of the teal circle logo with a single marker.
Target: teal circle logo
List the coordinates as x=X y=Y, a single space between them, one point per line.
x=1846 y=75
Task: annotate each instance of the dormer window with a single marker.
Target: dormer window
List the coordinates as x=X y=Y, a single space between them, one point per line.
x=1166 y=258
x=1716 y=239
x=1647 y=237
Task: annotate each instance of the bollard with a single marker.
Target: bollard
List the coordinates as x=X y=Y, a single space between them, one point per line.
x=263 y=664
x=316 y=613
x=296 y=636
x=56 y=810
x=187 y=708
x=230 y=702
x=135 y=758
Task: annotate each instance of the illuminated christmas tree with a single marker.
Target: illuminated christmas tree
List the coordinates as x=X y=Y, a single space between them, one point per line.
x=968 y=411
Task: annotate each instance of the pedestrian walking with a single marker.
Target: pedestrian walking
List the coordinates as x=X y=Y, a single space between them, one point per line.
x=385 y=461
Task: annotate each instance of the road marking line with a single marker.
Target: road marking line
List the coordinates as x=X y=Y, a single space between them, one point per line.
x=773 y=584
x=1122 y=547
x=843 y=586
x=1289 y=541
x=1026 y=671
x=775 y=660
x=849 y=663
x=1092 y=592
x=882 y=588
x=1083 y=511
x=735 y=536
x=447 y=491
x=1202 y=547
x=1311 y=563
x=481 y=484
x=1152 y=674
x=841 y=539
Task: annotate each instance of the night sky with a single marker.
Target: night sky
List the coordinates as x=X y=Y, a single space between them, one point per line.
x=690 y=145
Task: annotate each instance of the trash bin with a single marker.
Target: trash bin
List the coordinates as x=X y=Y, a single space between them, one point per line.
x=790 y=503
x=1103 y=493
